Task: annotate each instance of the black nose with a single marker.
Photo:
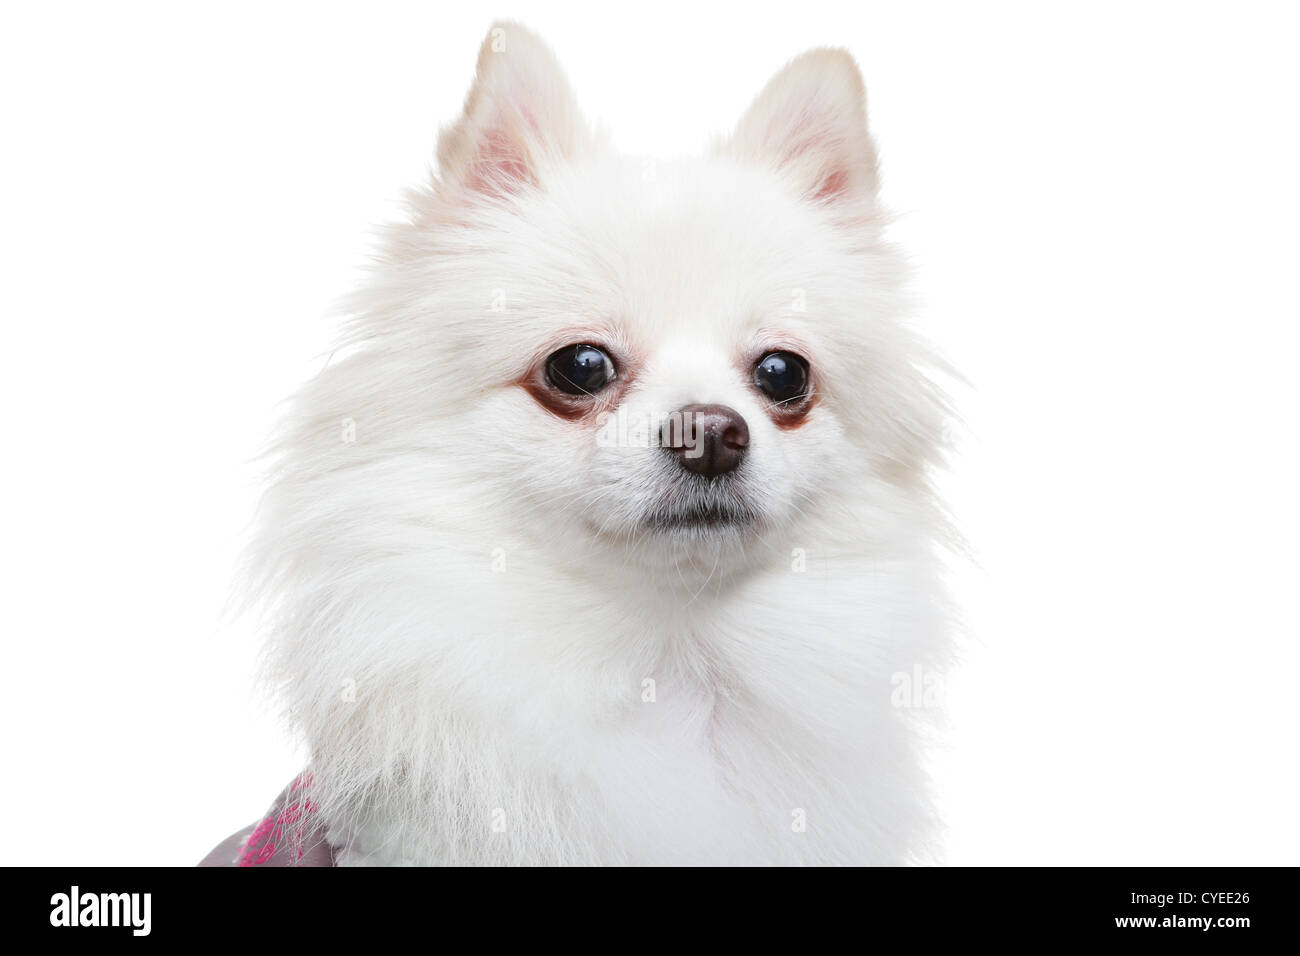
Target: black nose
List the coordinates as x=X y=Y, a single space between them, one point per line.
x=709 y=440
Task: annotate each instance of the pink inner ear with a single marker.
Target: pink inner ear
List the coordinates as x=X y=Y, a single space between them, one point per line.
x=833 y=185
x=810 y=136
x=500 y=165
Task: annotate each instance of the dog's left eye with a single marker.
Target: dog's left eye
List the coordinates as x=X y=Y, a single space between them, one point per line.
x=579 y=370
x=782 y=377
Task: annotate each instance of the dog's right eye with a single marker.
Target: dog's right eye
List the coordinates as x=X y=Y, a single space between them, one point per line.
x=579 y=370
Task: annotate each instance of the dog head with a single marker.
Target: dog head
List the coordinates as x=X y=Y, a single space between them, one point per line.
x=675 y=358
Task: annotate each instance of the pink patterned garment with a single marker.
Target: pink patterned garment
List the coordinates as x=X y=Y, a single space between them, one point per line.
x=286 y=836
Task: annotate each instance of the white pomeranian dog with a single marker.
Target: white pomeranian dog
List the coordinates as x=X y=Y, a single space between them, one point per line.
x=610 y=538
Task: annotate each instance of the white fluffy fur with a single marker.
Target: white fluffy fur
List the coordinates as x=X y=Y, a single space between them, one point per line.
x=464 y=608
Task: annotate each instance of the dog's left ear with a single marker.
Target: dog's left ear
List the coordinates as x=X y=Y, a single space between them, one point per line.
x=520 y=118
x=810 y=123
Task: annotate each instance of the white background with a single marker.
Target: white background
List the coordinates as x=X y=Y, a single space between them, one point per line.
x=1102 y=203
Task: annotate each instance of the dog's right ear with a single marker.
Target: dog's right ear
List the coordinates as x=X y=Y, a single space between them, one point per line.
x=520 y=118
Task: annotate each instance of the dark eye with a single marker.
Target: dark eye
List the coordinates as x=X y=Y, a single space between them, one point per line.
x=579 y=370
x=782 y=377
